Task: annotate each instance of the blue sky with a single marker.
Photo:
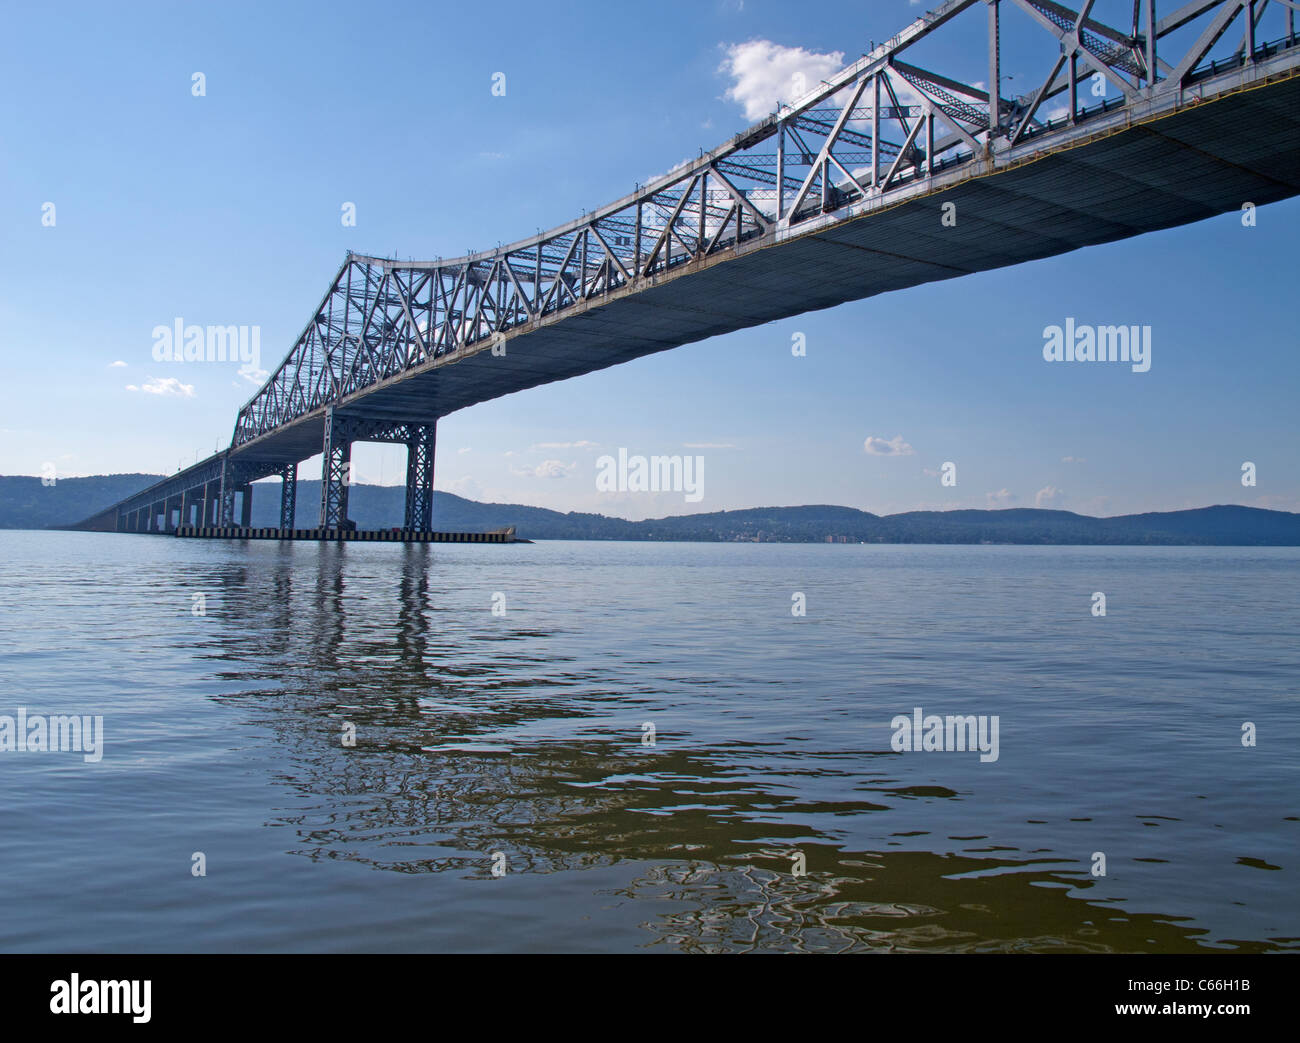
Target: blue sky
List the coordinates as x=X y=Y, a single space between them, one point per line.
x=225 y=209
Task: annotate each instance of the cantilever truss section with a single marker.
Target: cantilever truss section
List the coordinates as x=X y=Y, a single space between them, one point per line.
x=875 y=128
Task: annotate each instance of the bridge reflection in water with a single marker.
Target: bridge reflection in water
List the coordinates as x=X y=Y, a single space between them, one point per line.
x=473 y=737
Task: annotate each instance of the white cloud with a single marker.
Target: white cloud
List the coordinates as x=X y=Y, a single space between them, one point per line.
x=763 y=74
x=467 y=449
x=893 y=447
x=1073 y=460
x=164 y=386
x=116 y=365
x=563 y=445
x=1049 y=496
x=1001 y=498
x=466 y=487
x=546 y=469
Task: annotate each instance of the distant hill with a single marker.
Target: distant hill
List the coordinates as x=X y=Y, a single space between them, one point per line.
x=27 y=504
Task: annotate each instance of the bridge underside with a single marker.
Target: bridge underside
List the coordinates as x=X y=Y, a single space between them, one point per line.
x=1198 y=163
x=1111 y=178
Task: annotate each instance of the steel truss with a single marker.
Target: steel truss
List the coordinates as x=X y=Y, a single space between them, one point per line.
x=873 y=129
x=873 y=134
x=419 y=476
x=288 y=496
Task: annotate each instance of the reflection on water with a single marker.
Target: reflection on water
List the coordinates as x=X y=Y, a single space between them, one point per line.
x=524 y=735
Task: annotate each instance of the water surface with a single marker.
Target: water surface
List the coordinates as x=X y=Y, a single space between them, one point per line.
x=524 y=734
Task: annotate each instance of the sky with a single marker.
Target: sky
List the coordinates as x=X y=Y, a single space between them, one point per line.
x=224 y=208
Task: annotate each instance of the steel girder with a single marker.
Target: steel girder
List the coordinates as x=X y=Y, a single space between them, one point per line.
x=237 y=477
x=874 y=128
x=420 y=446
x=288 y=496
x=336 y=467
x=210 y=484
x=872 y=134
x=341 y=430
x=194 y=481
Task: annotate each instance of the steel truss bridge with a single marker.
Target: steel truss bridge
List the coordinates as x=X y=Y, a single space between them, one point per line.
x=834 y=198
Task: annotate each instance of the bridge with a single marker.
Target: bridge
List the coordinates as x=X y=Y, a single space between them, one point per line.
x=836 y=197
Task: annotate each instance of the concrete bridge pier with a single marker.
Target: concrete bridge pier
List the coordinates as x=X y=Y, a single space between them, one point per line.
x=226 y=496
x=211 y=497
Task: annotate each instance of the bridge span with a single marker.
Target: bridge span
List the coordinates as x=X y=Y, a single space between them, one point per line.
x=837 y=197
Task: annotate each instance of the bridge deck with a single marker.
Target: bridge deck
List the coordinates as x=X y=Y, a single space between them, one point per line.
x=1153 y=163
x=1118 y=181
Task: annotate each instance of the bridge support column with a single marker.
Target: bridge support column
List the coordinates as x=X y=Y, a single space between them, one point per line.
x=995 y=75
x=1152 y=71
x=226 y=497
x=336 y=465
x=419 y=476
x=246 y=505
x=288 y=496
